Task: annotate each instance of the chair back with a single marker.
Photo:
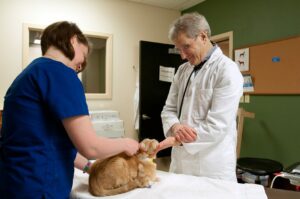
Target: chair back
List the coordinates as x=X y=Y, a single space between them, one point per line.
x=240 y=125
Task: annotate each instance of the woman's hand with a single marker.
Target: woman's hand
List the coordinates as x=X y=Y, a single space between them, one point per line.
x=130 y=146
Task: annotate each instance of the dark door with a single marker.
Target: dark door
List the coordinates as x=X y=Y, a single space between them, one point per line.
x=153 y=91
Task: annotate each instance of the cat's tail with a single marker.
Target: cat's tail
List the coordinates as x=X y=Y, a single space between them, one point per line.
x=100 y=191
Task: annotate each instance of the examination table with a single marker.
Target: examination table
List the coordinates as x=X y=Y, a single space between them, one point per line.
x=175 y=186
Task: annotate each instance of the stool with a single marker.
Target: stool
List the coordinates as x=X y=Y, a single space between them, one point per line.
x=259 y=167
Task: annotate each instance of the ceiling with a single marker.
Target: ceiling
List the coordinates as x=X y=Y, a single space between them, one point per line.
x=170 y=4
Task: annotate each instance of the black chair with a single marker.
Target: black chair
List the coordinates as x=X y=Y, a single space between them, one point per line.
x=259 y=167
x=255 y=166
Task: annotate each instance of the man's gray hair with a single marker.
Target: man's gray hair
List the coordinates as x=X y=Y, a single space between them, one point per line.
x=191 y=24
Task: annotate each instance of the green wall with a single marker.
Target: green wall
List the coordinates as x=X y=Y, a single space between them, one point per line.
x=275 y=131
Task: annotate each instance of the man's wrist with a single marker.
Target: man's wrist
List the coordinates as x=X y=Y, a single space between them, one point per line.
x=174 y=128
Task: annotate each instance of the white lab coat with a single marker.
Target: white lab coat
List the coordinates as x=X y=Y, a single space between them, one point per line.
x=210 y=107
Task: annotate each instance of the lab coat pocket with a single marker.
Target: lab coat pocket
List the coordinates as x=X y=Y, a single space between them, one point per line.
x=203 y=103
x=184 y=162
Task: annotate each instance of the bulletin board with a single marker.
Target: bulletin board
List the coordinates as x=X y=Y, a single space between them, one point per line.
x=275 y=67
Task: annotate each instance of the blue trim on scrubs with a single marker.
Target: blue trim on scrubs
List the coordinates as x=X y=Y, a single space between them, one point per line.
x=36 y=154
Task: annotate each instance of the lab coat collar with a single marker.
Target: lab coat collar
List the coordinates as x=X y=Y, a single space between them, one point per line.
x=214 y=55
x=210 y=52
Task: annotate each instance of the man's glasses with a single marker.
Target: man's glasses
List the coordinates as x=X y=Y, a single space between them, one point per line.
x=187 y=46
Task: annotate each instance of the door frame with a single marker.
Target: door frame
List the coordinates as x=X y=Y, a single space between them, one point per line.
x=225 y=37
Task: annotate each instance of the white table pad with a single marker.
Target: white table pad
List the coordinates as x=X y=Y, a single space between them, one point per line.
x=174 y=186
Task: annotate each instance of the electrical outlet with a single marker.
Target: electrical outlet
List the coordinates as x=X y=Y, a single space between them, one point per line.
x=247 y=99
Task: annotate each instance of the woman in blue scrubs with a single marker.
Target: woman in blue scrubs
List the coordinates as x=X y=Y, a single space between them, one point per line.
x=46 y=123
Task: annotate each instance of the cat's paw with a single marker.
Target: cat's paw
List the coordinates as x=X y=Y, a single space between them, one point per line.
x=149 y=146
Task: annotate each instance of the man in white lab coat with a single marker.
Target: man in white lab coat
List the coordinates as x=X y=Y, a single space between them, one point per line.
x=202 y=104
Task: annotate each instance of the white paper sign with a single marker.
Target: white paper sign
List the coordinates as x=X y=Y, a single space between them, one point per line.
x=242 y=59
x=166 y=74
x=248 y=85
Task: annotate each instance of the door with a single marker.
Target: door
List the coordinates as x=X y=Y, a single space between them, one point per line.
x=153 y=91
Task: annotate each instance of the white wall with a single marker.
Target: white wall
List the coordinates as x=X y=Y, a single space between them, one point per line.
x=128 y=22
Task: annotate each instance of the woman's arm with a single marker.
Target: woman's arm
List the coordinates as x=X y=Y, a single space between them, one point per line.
x=81 y=162
x=91 y=146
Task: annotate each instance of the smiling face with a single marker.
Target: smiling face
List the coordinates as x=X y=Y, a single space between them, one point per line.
x=193 y=49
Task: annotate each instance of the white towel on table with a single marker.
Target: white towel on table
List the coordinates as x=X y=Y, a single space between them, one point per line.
x=173 y=186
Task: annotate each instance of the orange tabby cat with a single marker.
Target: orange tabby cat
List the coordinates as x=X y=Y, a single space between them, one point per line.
x=122 y=173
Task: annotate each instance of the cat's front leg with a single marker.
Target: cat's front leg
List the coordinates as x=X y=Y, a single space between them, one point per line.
x=142 y=178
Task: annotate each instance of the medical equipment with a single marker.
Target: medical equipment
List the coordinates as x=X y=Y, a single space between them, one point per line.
x=292 y=173
x=195 y=70
x=107 y=123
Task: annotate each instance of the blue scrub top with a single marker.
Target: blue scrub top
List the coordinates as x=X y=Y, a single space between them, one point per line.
x=36 y=154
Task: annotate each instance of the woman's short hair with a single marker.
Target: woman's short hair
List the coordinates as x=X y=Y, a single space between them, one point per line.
x=191 y=24
x=59 y=35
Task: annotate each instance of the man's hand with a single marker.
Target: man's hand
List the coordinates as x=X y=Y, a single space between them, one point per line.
x=184 y=133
